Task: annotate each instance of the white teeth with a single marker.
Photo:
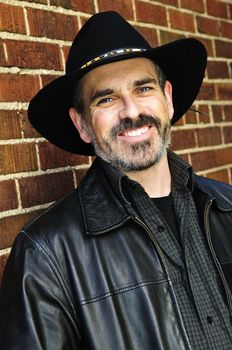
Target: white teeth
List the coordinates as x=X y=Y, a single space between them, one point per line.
x=136 y=132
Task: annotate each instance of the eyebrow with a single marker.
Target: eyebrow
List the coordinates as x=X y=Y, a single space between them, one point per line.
x=101 y=93
x=144 y=81
x=109 y=91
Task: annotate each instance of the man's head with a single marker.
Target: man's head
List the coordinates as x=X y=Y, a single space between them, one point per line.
x=124 y=109
x=104 y=39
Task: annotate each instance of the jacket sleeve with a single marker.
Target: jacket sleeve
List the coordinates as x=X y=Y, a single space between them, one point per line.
x=35 y=308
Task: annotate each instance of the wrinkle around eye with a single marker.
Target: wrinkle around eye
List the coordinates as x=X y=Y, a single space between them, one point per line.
x=105 y=100
x=145 y=88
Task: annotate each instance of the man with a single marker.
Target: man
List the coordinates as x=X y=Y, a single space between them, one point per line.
x=140 y=255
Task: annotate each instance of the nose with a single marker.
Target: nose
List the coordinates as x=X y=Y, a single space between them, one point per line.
x=129 y=109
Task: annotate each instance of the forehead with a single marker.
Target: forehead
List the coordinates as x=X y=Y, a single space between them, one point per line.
x=117 y=73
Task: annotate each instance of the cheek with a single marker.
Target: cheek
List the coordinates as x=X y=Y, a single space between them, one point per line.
x=102 y=123
x=163 y=106
x=157 y=107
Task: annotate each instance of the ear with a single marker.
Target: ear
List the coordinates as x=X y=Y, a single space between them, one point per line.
x=80 y=124
x=168 y=94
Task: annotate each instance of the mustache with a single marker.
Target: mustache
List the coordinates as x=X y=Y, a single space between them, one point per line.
x=128 y=124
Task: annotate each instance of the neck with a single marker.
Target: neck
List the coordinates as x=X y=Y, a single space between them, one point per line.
x=156 y=180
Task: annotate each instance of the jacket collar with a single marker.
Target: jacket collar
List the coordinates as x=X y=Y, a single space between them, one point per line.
x=104 y=207
x=104 y=204
x=220 y=193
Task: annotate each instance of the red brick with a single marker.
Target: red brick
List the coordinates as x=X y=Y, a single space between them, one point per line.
x=207 y=92
x=208 y=136
x=210 y=159
x=228 y=113
x=167 y=37
x=223 y=49
x=18 y=87
x=52 y=25
x=149 y=34
x=208 y=45
x=230 y=11
x=48 y=78
x=216 y=8
x=185 y=157
x=54 y=157
x=84 y=6
x=182 y=139
x=66 y=51
x=27 y=129
x=204 y=118
x=221 y=175
x=17 y=158
x=77 y=5
x=227 y=131
x=182 y=20
x=226 y=29
x=3 y=260
x=8 y=195
x=191 y=117
x=224 y=91
x=10 y=227
x=10 y=125
x=197 y=6
x=29 y=54
x=208 y=25
x=217 y=70
x=12 y=19
x=80 y=173
x=147 y=12
x=123 y=7
x=181 y=121
x=217 y=113
x=45 y=188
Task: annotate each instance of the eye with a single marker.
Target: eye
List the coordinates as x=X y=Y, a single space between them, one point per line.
x=104 y=100
x=144 y=89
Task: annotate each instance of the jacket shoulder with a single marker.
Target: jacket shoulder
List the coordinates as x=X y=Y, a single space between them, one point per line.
x=217 y=190
x=57 y=219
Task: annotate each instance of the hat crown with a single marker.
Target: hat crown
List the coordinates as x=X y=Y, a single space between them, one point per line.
x=103 y=33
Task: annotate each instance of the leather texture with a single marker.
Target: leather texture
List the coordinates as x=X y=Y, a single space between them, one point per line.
x=86 y=274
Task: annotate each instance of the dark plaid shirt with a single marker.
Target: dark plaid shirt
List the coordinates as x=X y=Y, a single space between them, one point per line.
x=195 y=280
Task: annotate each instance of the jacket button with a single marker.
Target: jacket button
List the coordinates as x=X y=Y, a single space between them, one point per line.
x=160 y=228
x=209 y=319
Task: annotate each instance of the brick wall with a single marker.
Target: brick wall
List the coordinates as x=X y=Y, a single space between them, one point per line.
x=34 y=41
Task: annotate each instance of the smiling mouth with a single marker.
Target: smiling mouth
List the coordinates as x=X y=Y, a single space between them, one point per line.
x=135 y=132
x=135 y=135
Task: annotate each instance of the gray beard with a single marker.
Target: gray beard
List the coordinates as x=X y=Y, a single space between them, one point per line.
x=129 y=164
x=138 y=156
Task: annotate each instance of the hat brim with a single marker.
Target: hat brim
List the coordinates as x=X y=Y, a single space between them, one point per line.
x=183 y=62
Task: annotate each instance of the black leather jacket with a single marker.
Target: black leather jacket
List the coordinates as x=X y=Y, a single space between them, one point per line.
x=88 y=274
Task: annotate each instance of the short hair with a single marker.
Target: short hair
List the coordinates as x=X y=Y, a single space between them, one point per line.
x=78 y=100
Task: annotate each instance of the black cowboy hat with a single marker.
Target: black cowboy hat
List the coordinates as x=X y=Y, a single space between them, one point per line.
x=107 y=37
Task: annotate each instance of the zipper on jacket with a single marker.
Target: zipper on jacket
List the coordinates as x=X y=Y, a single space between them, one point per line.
x=217 y=263
x=141 y=223
x=163 y=259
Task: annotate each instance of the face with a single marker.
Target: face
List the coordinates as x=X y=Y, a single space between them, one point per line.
x=126 y=114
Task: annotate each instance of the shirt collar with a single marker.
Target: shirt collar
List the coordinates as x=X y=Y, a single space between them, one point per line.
x=181 y=172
